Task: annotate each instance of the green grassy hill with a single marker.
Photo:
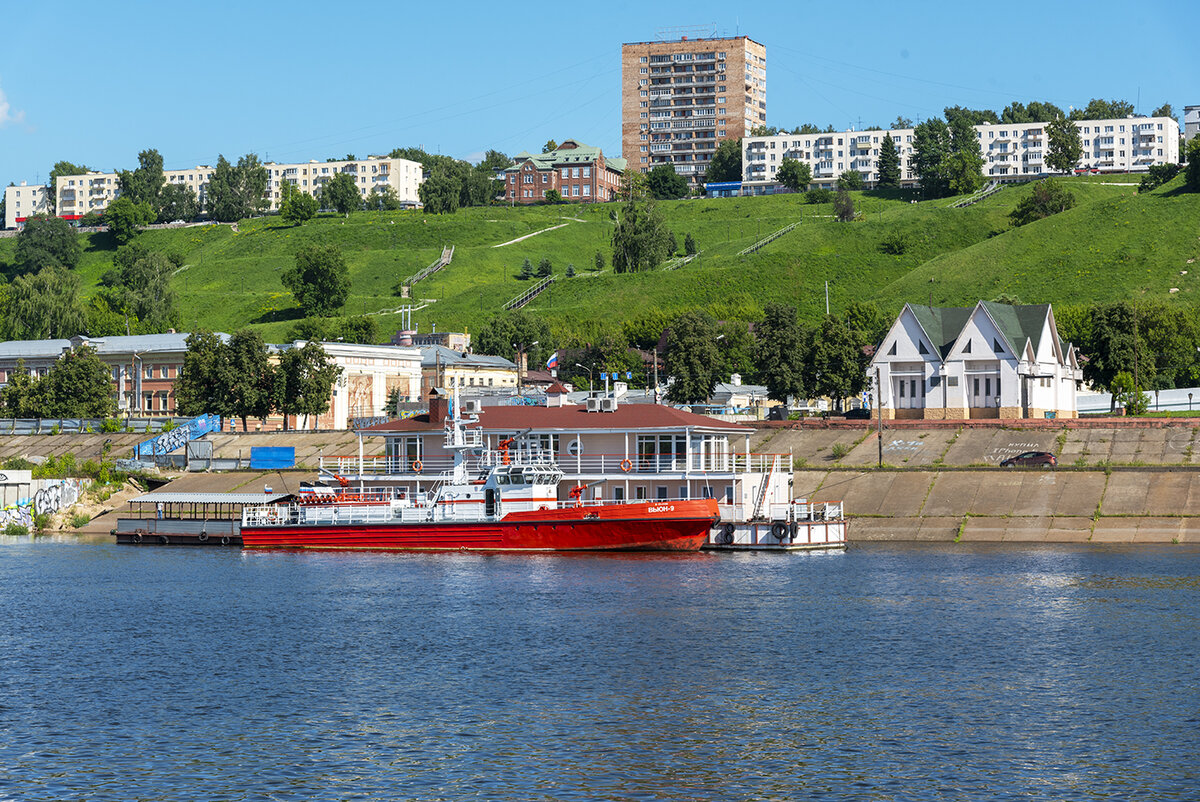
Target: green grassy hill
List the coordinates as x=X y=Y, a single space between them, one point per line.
x=1114 y=244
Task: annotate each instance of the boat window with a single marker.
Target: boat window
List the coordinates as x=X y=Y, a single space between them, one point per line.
x=502 y=478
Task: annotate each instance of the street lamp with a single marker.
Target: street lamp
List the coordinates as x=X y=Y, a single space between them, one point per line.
x=589 y=370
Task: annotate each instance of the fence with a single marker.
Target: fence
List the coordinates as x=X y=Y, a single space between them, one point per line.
x=82 y=425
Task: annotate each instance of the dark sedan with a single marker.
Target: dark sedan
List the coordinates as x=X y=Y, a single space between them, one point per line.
x=1031 y=459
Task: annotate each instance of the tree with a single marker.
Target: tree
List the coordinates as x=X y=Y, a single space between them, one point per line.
x=319 y=280
x=544 y=268
x=309 y=328
x=177 y=202
x=689 y=245
x=599 y=261
x=1165 y=110
x=306 y=377
x=1047 y=198
x=494 y=160
x=144 y=291
x=1099 y=109
x=963 y=169
x=43 y=305
x=341 y=194
x=47 y=242
x=570 y=270
x=931 y=147
x=795 y=175
x=869 y=323
x=1128 y=395
x=1115 y=344
x=205 y=378
x=144 y=184
x=440 y=193
x=1191 y=179
x=359 y=329
x=970 y=116
x=692 y=360
x=901 y=122
x=550 y=145
x=836 y=361
x=17 y=398
x=889 y=164
x=297 y=206
x=78 y=385
x=253 y=385
x=526 y=270
x=1064 y=148
x=726 y=163
x=124 y=218
x=553 y=196
x=850 y=180
x=382 y=199
x=665 y=184
x=504 y=334
x=640 y=239
x=1157 y=175
x=781 y=352
x=736 y=348
x=1035 y=112
x=237 y=191
x=843 y=206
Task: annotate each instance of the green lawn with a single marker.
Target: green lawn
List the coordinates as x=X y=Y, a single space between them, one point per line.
x=1113 y=244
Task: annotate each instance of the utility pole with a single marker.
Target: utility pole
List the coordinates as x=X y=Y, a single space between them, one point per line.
x=879 y=413
x=826 y=298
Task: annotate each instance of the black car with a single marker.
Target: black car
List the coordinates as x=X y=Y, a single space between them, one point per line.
x=862 y=413
x=1031 y=459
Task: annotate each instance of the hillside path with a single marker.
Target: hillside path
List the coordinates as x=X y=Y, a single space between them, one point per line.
x=534 y=234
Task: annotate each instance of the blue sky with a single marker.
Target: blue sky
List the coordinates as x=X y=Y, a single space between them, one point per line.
x=95 y=83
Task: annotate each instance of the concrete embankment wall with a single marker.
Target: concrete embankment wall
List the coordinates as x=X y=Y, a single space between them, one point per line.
x=1117 y=506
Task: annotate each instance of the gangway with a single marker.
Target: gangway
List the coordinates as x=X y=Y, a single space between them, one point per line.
x=992 y=188
x=426 y=272
x=767 y=240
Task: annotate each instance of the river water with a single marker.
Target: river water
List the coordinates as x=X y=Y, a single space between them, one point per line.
x=882 y=673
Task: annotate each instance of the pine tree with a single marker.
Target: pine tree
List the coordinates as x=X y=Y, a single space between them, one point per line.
x=889 y=163
x=526 y=270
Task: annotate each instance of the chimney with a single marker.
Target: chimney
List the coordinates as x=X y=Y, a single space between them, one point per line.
x=439 y=406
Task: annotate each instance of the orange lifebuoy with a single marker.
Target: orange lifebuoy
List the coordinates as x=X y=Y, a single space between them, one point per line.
x=626 y=465
x=417 y=466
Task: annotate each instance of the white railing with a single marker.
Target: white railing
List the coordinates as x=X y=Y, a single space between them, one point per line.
x=590 y=464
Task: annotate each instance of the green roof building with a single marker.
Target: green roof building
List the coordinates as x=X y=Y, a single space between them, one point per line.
x=573 y=170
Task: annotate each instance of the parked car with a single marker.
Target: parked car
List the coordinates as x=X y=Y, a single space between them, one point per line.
x=861 y=413
x=1031 y=459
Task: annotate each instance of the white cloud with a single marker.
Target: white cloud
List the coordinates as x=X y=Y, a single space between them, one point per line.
x=7 y=115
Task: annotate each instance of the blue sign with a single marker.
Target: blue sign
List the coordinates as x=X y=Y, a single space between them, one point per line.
x=603 y=376
x=170 y=441
x=628 y=375
x=270 y=458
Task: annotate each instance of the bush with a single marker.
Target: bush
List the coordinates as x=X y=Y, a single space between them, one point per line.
x=111 y=425
x=1158 y=175
x=80 y=520
x=839 y=450
x=850 y=179
x=1049 y=197
x=895 y=244
x=818 y=195
x=15 y=530
x=18 y=464
x=40 y=522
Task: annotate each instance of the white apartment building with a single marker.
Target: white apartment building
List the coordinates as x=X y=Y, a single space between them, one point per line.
x=1011 y=151
x=1191 y=122
x=22 y=202
x=92 y=192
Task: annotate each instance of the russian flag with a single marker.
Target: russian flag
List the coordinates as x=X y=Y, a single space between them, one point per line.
x=552 y=362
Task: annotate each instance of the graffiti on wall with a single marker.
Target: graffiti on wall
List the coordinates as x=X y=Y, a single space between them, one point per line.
x=52 y=496
x=178 y=437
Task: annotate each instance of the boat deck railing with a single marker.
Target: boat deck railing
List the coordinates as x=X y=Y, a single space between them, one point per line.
x=614 y=465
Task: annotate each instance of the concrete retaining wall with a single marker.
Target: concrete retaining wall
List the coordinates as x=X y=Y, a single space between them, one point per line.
x=1122 y=506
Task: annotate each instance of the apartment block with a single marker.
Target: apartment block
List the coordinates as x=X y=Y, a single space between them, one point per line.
x=577 y=172
x=1191 y=122
x=77 y=195
x=1011 y=151
x=680 y=98
x=22 y=202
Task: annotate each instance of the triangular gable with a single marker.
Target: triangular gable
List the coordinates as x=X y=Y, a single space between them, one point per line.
x=906 y=339
x=987 y=339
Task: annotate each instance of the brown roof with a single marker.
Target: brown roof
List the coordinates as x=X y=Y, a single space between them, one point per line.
x=627 y=417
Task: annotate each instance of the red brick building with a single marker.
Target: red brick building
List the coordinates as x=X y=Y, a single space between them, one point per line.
x=577 y=172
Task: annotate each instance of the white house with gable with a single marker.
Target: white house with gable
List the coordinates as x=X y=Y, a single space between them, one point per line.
x=988 y=361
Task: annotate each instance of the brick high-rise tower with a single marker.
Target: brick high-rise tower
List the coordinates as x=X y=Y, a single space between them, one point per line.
x=680 y=98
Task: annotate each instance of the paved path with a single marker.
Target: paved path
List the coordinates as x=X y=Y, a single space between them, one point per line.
x=534 y=234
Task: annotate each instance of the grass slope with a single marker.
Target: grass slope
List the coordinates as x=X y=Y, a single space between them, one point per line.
x=1114 y=244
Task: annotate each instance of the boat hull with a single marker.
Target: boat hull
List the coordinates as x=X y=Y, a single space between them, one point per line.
x=666 y=526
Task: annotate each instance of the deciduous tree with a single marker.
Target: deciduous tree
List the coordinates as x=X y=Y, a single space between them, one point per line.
x=319 y=280
x=341 y=194
x=836 y=362
x=61 y=168
x=640 y=239
x=43 y=305
x=125 y=218
x=253 y=384
x=843 y=206
x=145 y=183
x=306 y=377
x=204 y=381
x=795 y=175
x=1064 y=148
x=692 y=360
x=931 y=147
x=665 y=184
x=964 y=167
x=47 y=242
x=850 y=180
x=1191 y=179
x=1047 y=198
x=780 y=353
x=726 y=163
x=178 y=202
x=295 y=205
x=78 y=385
x=440 y=193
